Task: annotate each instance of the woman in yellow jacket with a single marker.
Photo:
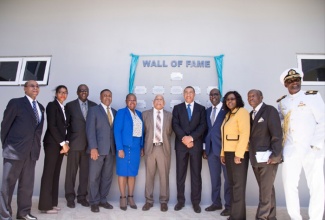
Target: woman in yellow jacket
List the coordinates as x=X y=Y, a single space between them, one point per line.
x=234 y=154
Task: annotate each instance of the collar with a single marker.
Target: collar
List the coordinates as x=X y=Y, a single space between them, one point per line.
x=192 y=104
x=105 y=106
x=219 y=106
x=81 y=102
x=296 y=94
x=258 y=107
x=156 y=110
x=30 y=99
x=62 y=106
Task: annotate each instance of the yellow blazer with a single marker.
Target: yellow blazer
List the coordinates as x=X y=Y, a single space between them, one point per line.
x=235 y=132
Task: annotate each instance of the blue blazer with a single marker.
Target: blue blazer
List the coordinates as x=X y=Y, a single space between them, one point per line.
x=213 y=134
x=123 y=128
x=20 y=136
x=100 y=134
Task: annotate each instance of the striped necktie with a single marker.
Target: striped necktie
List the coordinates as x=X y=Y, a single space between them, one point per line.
x=35 y=112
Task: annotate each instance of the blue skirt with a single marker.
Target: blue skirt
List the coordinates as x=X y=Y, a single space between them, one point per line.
x=129 y=165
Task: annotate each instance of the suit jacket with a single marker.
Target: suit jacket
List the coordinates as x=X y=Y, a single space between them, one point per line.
x=56 y=124
x=167 y=131
x=20 y=136
x=77 y=125
x=266 y=134
x=213 y=133
x=235 y=132
x=183 y=127
x=123 y=128
x=100 y=134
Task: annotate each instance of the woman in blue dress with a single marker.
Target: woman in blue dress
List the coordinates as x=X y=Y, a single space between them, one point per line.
x=128 y=133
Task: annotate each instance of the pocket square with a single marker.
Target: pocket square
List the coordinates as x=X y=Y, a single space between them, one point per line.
x=260 y=120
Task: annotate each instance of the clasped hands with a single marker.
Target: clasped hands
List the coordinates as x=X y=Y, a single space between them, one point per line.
x=65 y=148
x=188 y=141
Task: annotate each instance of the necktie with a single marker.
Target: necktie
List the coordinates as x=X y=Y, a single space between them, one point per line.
x=35 y=112
x=110 y=119
x=213 y=115
x=254 y=114
x=158 y=128
x=189 y=112
x=84 y=110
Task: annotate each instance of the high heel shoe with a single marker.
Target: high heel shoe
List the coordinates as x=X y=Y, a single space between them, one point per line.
x=123 y=204
x=131 y=202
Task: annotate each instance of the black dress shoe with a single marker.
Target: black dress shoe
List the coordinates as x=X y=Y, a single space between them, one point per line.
x=213 y=207
x=225 y=212
x=106 y=205
x=94 y=208
x=28 y=216
x=163 y=207
x=71 y=204
x=178 y=206
x=197 y=208
x=147 y=206
x=83 y=202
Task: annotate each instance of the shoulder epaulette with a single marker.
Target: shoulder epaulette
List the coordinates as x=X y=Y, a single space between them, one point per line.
x=311 y=92
x=281 y=98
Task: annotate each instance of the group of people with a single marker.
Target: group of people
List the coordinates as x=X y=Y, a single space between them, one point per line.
x=95 y=137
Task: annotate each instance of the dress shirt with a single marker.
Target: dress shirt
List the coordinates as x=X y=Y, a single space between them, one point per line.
x=110 y=110
x=257 y=109
x=191 y=107
x=219 y=106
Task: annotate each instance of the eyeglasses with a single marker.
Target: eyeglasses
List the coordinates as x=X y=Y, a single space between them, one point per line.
x=289 y=81
x=33 y=86
x=230 y=99
x=63 y=93
x=214 y=94
x=83 y=90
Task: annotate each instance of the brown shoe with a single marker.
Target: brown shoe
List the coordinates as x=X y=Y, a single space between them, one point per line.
x=163 y=207
x=123 y=204
x=147 y=206
x=225 y=212
x=131 y=202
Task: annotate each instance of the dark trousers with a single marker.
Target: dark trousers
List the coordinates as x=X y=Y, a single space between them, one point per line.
x=216 y=168
x=237 y=177
x=265 y=177
x=100 y=178
x=50 y=178
x=195 y=158
x=76 y=160
x=24 y=172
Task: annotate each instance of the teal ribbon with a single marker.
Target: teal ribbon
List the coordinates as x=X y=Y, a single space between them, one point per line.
x=219 y=63
x=134 y=63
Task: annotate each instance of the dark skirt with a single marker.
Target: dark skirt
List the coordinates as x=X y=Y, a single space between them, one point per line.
x=129 y=165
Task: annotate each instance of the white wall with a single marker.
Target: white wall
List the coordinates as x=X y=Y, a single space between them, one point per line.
x=90 y=42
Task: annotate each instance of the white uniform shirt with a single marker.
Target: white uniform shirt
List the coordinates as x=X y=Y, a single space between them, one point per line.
x=306 y=123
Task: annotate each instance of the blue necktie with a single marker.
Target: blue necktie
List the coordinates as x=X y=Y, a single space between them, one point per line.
x=189 y=112
x=35 y=112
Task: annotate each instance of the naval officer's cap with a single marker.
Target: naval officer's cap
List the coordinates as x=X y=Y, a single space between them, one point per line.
x=290 y=74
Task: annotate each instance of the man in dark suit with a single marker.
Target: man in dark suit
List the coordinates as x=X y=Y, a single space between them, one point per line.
x=212 y=148
x=265 y=151
x=158 y=131
x=76 y=112
x=189 y=124
x=101 y=146
x=21 y=131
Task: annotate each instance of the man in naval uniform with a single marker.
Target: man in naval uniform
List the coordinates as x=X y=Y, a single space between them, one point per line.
x=303 y=120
